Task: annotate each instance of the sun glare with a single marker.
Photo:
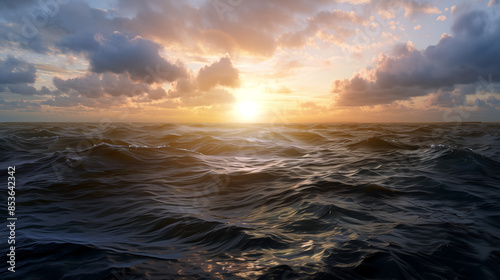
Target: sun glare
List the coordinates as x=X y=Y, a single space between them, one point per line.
x=247 y=110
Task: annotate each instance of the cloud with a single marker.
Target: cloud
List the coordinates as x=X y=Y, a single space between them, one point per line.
x=198 y=90
x=327 y=26
x=256 y=28
x=490 y=103
x=474 y=51
x=25 y=89
x=15 y=4
x=284 y=68
x=441 y=18
x=417 y=27
x=19 y=105
x=16 y=71
x=411 y=7
x=311 y=108
x=201 y=90
x=280 y=90
x=107 y=85
x=471 y=24
x=74 y=100
x=493 y=3
x=450 y=98
x=16 y=75
x=136 y=56
x=220 y=73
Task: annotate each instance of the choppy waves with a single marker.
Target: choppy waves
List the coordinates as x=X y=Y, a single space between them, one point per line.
x=319 y=201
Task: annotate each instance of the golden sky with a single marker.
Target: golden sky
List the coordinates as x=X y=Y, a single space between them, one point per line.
x=250 y=61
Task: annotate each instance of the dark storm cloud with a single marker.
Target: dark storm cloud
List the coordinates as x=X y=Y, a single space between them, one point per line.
x=473 y=51
x=16 y=71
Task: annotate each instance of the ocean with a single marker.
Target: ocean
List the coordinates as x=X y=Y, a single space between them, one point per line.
x=252 y=201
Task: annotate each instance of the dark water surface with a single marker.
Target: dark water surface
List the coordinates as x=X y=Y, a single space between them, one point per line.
x=339 y=201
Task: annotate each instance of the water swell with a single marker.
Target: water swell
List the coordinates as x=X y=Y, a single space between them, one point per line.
x=312 y=201
x=376 y=144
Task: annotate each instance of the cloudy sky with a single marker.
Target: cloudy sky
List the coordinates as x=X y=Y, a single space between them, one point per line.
x=250 y=60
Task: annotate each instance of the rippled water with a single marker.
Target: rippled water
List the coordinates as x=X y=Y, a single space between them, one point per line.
x=339 y=201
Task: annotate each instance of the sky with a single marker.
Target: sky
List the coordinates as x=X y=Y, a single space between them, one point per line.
x=297 y=61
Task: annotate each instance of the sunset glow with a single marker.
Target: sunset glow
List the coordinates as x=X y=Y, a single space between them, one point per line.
x=198 y=60
x=250 y=139
x=247 y=110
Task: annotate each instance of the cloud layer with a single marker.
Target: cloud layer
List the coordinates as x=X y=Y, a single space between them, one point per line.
x=473 y=51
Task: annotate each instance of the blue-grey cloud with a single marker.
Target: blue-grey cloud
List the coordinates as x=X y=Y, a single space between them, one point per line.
x=26 y=106
x=138 y=57
x=15 y=4
x=473 y=51
x=25 y=89
x=107 y=85
x=16 y=71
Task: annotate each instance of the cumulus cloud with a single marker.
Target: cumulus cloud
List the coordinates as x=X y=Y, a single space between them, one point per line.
x=208 y=83
x=411 y=7
x=490 y=103
x=108 y=84
x=19 y=105
x=16 y=71
x=138 y=57
x=453 y=9
x=220 y=73
x=450 y=98
x=203 y=89
x=474 y=51
x=441 y=18
x=17 y=75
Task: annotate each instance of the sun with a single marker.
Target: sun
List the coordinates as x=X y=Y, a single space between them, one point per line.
x=247 y=110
